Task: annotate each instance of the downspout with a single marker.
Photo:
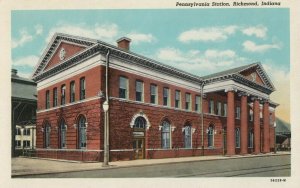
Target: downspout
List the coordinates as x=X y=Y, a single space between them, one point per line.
x=202 y=121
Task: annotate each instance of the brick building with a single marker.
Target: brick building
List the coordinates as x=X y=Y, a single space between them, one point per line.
x=155 y=110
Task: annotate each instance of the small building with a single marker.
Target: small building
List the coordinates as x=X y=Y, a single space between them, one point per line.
x=24 y=104
x=154 y=110
x=283 y=135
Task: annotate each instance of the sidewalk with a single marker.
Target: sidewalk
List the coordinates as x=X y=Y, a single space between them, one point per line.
x=26 y=166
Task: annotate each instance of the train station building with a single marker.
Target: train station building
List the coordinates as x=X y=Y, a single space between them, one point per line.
x=151 y=110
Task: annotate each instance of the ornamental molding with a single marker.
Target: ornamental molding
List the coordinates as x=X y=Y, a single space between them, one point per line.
x=140 y=114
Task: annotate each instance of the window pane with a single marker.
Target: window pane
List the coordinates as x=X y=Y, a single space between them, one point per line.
x=82 y=88
x=153 y=89
x=139 y=86
x=123 y=82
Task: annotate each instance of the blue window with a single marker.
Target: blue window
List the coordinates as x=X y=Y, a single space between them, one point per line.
x=165 y=134
x=82 y=132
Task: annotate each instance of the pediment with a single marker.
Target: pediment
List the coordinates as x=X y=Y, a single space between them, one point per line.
x=60 y=48
x=257 y=74
x=64 y=51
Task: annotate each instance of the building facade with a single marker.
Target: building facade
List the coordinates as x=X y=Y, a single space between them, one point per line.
x=24 y=104
x=155 y=110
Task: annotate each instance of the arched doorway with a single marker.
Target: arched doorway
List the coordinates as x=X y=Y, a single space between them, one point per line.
x=138 y=143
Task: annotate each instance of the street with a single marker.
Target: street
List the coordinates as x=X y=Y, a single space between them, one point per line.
x=268 y=166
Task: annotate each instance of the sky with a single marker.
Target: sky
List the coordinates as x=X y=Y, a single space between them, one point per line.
x=199 y=41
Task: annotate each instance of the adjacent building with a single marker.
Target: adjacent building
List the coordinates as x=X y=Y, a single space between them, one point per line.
x=23 y=106
x=154 y=110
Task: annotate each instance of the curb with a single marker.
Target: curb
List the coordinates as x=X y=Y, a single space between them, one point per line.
x=142 y=165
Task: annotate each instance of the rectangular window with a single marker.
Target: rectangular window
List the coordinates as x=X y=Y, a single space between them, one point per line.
x=72 y=91
x=47 y=99
x=139 y=91
x=197 y=103
x=18 y=143
x=63 y=94
x=26 y=132
x=153 y=93
x=219 y=108
x=225 y=110
x=238 y=112
x=18 y=131
x=82 y=88
x=123 y=87
x=188 y=101
x=211 y=107
x=166 y=96
x=54 y=97
x=251 y=115
x=177 y=99
x=26 y=144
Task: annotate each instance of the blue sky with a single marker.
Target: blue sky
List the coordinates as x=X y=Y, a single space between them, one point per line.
x=199 y=41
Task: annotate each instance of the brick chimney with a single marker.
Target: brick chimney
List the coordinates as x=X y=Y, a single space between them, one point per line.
x=14 y=73
x=124 y=43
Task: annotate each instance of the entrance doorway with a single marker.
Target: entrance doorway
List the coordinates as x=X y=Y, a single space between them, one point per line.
x=138 y=147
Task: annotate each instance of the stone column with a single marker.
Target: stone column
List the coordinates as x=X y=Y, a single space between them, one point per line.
x=230 y=123
x=244 y=124
x=266 y=120
x=256 y=122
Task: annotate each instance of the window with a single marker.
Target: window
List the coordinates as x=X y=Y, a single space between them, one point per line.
x=18 y=143
x=188 y=101
x=54 y=97
x=166 y=96
x=219 y=108
x=238 y=112
x=139 y=91
x=18 y=131
x=165 y=134
x=26 y=131
x=237 y=138
x=251 y=115
x=47 y=99
x=63 y=94
x=140 y=123
x=47 y=130
x=72 y=91
x=82 y=88
x=187 y=136
x=210 y=134
x=197 y=103
x=225 y=110
x=250 y=139
x=123 y=88
x=153 y=93
x=82 y=132
x=62 y=134
x=26 y=144
x=177 y=99
x=211 y=107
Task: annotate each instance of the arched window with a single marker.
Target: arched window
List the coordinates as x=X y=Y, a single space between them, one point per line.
x=62 y=133
x=47 y=130
x=140 y=123
x=237 y=138
x=250 y=139
x=165 y=134
x=187 y=136
x=82 y=132
x=210 y=134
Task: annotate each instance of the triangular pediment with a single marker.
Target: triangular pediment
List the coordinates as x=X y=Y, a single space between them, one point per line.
x=256 y=73
x=61 y=48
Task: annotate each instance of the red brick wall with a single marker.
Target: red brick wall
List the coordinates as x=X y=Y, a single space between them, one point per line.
x=92 y=82
x=70 y=49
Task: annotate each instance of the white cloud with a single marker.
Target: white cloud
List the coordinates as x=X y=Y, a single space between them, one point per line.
x=259 y=31
x=200 y=63
x=253 y=47
x=207 y=34
x=29 y=61
x=38 y=29
x=105 y=32
x=24 y=38
x=140 y=37
x=281 y=81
